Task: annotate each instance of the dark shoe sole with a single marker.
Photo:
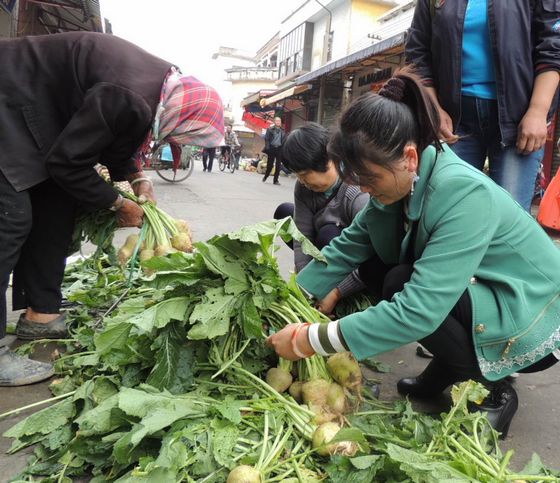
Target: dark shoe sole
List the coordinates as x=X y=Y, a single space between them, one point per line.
x=40 y=337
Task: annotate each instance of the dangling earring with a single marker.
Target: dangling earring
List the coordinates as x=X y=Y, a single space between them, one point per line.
x=414 y=181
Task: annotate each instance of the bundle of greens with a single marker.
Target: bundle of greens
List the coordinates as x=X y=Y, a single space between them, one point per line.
x=165 y=380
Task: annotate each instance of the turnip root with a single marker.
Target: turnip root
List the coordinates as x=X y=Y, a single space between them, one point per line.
x=345 y=370
x=322 y=415
x=181 y=242
x=336 y=399
x=131 y=241
x=278 y=379
x=124 y=255
x=315 y=392
x=244 y=474
x=183 y=227
x=162 y=250
x=146 y=254
x=326 y=433
x=295 y=391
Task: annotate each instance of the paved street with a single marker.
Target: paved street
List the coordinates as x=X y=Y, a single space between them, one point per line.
x=219 y=202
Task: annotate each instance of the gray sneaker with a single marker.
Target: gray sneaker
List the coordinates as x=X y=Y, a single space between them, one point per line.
x=29 y=330
x=16 y=370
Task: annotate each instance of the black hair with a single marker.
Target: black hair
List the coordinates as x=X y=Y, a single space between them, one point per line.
x=376 y=128
x=305 y=149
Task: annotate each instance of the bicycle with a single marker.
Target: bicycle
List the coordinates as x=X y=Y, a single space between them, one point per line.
x=227 y=160
x=173 y=169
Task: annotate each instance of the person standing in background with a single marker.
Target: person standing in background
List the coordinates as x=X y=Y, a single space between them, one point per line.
x=208 y=159
x=492 y=68
x=273 y=141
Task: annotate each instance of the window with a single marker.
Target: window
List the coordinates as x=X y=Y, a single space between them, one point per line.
x=295 y=48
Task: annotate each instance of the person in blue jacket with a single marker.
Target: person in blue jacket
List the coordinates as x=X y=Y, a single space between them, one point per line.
x=491 y=68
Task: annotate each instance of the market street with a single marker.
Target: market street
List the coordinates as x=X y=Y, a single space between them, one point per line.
x=220 y=202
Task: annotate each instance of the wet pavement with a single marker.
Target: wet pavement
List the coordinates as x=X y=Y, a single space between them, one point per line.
x=218 y=202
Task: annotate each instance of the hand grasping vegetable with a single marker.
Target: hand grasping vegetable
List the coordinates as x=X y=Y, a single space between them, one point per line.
x=129 y=214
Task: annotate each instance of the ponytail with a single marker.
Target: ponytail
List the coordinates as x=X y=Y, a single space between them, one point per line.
x=376 y=127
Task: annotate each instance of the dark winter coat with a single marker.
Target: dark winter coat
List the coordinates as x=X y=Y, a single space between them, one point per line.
x=71 y=100
x=525 y=37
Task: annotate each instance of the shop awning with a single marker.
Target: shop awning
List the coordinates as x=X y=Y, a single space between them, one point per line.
x=256 y=97
x=284 y=94
x=256 y=123
x=381 y=48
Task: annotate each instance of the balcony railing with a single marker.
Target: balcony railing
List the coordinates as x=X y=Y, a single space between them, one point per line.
x=239 y=74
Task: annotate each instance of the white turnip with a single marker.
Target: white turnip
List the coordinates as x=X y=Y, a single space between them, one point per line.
x=295 y=391
x=345 y=370
x=326 y=433
x=278 y=379
x=244 y=474
x=315 y=392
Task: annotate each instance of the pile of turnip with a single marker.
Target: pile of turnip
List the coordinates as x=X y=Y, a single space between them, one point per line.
x=328 y=389
x=160 y=235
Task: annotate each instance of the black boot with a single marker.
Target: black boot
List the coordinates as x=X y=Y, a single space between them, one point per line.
x=432 y=382
x=500 y=406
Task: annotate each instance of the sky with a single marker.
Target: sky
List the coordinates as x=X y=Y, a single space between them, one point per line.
x=188 y=32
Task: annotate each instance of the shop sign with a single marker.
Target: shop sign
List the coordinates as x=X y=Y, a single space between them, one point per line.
x=370 y=80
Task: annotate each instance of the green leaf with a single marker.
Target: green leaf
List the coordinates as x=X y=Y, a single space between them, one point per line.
x=44 y=421
x=536 y=467
x=266 y=232
x=114 y=338
x=230 y=409
x=174 y=262
x=341 y=470
x=157 y=411
x=159 y=315
x=221 y=263
x=224 y=439
x=423 y=469
x=251 y=323
x=99 y=420
x=174 y=361
x=212 y=314
x=364 y=462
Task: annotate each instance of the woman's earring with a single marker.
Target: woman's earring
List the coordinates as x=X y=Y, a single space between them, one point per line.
x=415 y=179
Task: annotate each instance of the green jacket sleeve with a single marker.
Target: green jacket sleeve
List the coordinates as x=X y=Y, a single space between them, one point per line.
x=344 y=254
x=457 y=242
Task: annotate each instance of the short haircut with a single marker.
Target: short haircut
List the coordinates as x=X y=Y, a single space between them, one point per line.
x=305 y=149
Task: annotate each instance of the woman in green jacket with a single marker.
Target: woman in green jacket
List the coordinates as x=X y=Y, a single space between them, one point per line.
x=469 y=273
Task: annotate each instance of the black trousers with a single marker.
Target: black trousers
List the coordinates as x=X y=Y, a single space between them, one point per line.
x=324 y=235
x=36 y=229
x=273 y=160
x=208 y=156
x=451 y=343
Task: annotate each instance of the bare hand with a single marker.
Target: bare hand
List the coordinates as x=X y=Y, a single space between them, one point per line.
x=281 y=342
x=144 y=190
x=327 y=305
x=130 y=214
x=531 y=132
x=446 y=128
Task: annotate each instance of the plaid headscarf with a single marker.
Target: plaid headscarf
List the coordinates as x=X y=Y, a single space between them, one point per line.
x=189 y=112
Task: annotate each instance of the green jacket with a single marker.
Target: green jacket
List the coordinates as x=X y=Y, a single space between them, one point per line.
x=470 y=235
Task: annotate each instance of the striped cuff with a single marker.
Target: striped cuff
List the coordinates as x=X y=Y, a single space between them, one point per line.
x=326 y=338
